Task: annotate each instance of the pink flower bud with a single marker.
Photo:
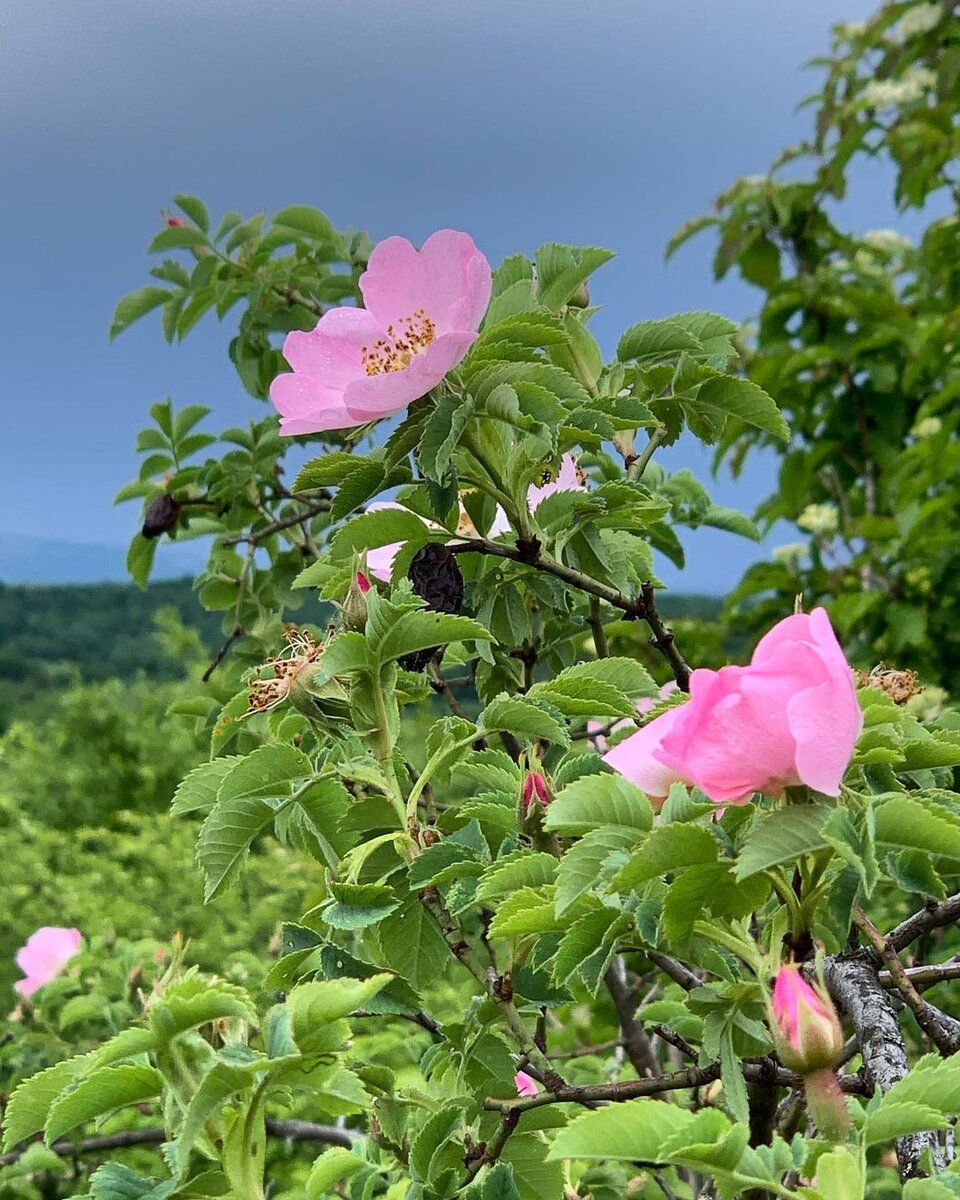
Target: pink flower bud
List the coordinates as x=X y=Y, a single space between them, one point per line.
x=536 y=790
x=175 y=222
x=363 y=583
x=806 y=1028
x=525 y=1085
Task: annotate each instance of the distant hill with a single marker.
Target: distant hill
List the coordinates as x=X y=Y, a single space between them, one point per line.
x=28 y=559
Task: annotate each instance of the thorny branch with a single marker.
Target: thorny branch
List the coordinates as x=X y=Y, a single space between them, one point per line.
x=642 y=607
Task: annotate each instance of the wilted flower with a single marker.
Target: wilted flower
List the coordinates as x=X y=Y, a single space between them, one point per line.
x=46 y=953
x=806 y=1029
x=820 y=519
x=161 y=515
x=790 y=717
x=526 y=1086
x=294 y=678
x=422 y=312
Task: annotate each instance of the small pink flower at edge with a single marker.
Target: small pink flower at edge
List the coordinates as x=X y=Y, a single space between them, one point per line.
x=363 y=583
x=43 y=957
x=525 y=1085
x=422 y=309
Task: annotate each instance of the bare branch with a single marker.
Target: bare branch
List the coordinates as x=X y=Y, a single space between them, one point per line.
x=932 y=917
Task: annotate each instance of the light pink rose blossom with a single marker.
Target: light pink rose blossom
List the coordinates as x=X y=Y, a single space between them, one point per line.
x=644 y=704
x=789 y=718
x=806 y=1027
x=526 y=1086
x=422 y=309
x=44 y=956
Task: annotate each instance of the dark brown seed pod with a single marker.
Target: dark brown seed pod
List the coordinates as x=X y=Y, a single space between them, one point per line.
x=435 y=575
x=161 y=515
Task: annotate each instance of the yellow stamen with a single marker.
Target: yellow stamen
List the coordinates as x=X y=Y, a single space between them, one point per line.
x=395 y=351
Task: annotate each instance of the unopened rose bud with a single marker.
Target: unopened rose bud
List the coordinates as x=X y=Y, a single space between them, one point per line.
x=806 y=1028
x=580 y=298
x=175 y=222
x=535 y=790
x=353 y=610
x=526 y=1086
x=161 y=515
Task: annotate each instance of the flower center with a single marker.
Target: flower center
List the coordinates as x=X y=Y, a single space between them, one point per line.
x=394 y=352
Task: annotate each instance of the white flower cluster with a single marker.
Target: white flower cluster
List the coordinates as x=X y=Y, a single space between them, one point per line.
x=917 y=21
x=790 y=555
x=853 y=29
x=928 y=427
x=912 y=85
x=889 y=241
x=820 y=519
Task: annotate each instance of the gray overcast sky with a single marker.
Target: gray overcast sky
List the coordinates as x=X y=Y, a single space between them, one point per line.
x=599 y=121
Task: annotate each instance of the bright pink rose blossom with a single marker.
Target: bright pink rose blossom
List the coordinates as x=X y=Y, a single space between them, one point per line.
x=789 y=718
x=806 y=1026
x=44 y=956
x=526 y=1086
x=422 y=309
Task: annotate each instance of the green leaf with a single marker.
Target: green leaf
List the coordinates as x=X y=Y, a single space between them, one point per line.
x=225 y=839
x=328 y=470
x=519 y=870
x=419 y=629
x=537 y=1176
x=100 y=1093
x=382 y=527
x=331 y=1168
x=525 y=911
x=114 y=1181
x=135 y=305
x=668 y=848
x=357 y=905
x=221 y=1082
x=177 y=237
x=440 y=864
x=197 y=791
x=267 y=771
x=595 y=800
x=586 y=864
x=323 y=1001
x=307 y=220
x=933 y=1082
x=893 y=1120
x=561 y=269
x=442 y=433
x=904 y=821
x=525 y=719
x=654 y=341
x=500 y=1184
x=635 y=1129
x=413 y=945
x=583 y=696
x=27 y=1109
x=195 y=209
x=927 y=1189
x=730 y=396
x=140 y=559
x=731 y=1076
x=783 y=835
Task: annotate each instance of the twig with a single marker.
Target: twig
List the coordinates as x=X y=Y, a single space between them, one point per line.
x=635 y=1041
x=762 y=1071
x=678 y=971
x=927 y=976
x=642 y=607
x=941 y=1029
x=417 y=1018
x=637 y=464
x=236 y=632
x=932 y=917
x=672 y=1038
x=290 y=1130
x=256 y=536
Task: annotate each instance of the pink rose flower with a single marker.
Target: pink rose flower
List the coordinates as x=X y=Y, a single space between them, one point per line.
x=644 y=704
x=44 y=956
x=789 y=718
x=570 y=478
x=806 y=1028
x=422 y=309
x=525 y=1085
